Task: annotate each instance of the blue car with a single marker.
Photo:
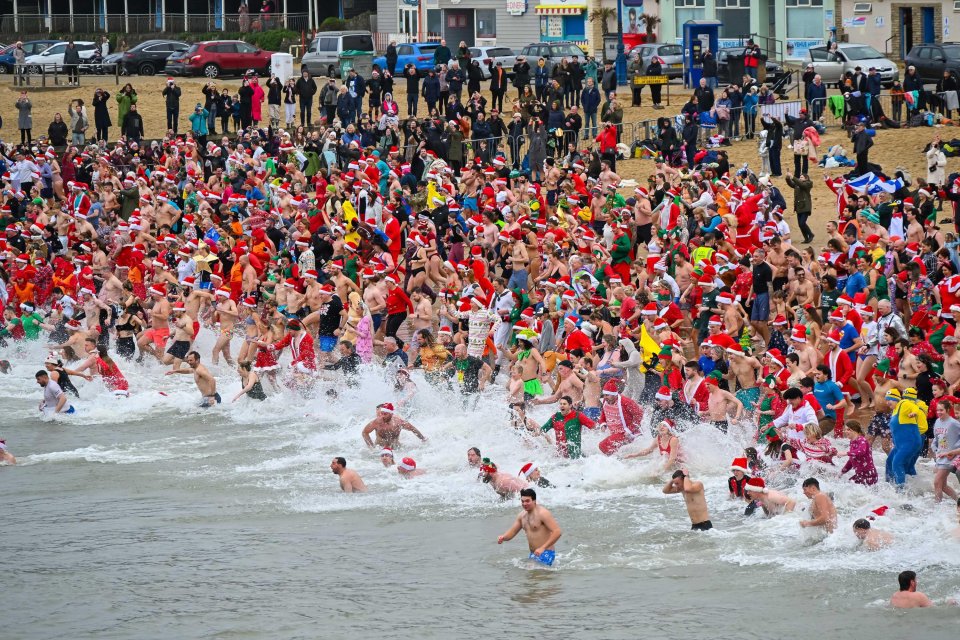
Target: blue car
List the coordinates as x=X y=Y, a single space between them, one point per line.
x=30 y=48
x=420 y=54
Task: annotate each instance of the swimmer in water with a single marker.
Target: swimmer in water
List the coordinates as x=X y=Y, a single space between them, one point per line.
x=694 y=498
x=773 y=502
x=350 y=481
x=407 y=468
x=872 y=539
x=5 y=456
x=908 y=597
x=386 y=457
x=473 y=457
x=504 y=484
x=388 y=428
x=823 y=513
x=5 y=366
x=540 y=526
x=531 y=471
x=204 y=380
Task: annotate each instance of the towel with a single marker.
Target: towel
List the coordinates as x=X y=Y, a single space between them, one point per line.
x=953 y=102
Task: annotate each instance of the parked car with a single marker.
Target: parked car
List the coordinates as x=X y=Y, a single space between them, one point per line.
x=833 y=65
x=219 y=57
x=29 y=48
x=493 y=55
x=671 y=56
x=322 y=56
x=552 y=52
x=418 y=53
x=51 y=58
x=931 y=60
x=147 y=58
x=774 y=70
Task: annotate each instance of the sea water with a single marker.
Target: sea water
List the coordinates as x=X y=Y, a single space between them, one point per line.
x=148 y=517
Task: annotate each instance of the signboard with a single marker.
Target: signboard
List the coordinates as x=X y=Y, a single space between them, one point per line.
x=632 y=20
x=797 y=48
x=554 y=27
x=645 y=80
x=516 y=7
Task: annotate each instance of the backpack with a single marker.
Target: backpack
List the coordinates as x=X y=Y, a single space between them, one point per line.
x=916 y=120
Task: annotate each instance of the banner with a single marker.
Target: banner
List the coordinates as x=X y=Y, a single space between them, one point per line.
x=632 y=22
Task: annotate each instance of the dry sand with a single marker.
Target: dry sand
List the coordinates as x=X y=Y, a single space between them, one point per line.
x=892 y=147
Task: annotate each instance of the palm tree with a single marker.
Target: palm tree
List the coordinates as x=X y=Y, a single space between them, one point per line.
x=651 y=23
x=603 y=15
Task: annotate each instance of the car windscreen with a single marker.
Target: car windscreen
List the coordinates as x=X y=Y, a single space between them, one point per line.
x=565 y=50
x=861 y=52
x=670 y=50
x=358 y=43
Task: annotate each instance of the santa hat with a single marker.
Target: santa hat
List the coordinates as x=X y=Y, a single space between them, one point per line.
x=386 y=451
x=663 y=393
x=715 y=321
x=833 y=336
x=776 y=356
x=671 y=426
x=223 y=291
x=756 y=485
x=527 y=470
x=739 y=464
x=611 y=388
x=250 y=302
x=724 y=298
x=799 y=333
x=650 y=309
x=407 y=464
x=158 y=290
x=386 y=407
x=780 y=321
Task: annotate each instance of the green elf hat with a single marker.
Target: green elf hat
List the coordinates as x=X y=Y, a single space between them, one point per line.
x=667 y=351
x=663 y=296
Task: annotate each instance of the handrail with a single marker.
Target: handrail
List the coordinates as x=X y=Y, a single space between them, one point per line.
x=26 y=24
x=23 y=73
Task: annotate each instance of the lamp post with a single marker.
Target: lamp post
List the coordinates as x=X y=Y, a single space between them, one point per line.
x=621 y=63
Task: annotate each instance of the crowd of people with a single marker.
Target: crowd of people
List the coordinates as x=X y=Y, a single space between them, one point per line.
x=638 y=310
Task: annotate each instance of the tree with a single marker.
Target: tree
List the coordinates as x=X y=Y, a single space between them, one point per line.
x=603 y=15
x=651 y=23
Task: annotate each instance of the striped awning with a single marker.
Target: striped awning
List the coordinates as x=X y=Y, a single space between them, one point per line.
x=560 y=9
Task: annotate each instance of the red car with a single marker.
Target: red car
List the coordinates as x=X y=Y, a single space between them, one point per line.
x=219 y=57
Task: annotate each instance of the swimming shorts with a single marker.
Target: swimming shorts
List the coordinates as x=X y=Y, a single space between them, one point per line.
x=70 y=410
x=760 y=311
x=592 y=412
x=377 y=319
x=748 y=397
x=547 y=557
x=209 y=401
x=327 y=343
x=721 y=425
x=158 y=336
x=706 y=525
x=880 y=425
x=179 y=349
x=533 y=387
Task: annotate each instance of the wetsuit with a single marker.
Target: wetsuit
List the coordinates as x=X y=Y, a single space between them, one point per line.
x=65 y=382
x=256 y=391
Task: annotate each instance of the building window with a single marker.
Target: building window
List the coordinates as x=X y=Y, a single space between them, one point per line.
x=434 y=21
x=689 y=10
x=486 y=23
x=805 y=22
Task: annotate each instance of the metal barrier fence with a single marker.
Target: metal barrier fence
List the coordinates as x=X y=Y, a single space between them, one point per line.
x=59 y=74
x=147 y=23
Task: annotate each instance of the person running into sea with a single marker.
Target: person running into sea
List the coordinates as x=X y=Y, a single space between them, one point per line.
x=205 y=381
x=567 y=425
x=249 y=382
x=539 y=525
x=694 y=498
x=350 y=480
x=388 y=427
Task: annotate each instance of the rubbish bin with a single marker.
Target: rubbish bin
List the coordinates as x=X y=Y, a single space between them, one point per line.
x=762 y=68
x=735 y=68
x=362 y=61
x=281 y=65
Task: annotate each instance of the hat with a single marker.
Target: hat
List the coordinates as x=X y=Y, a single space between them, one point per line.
x=910 y=394
x=407 y=464
x=739 y=464
x=893 y=394
x=386 y=407
x=776 y=356
x=755 y=485
x=611 y=388
x=386 y=451
x=663 y=393
x=527 y=470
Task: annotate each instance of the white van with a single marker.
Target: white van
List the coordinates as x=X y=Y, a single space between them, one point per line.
x=321 y=57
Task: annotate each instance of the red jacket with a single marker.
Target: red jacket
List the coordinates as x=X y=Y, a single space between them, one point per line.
x=398 y=302
x=304 y=353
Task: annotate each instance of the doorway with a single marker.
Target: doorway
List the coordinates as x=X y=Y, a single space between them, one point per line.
x=906 y=31
x=458 y=26
x=928 y=25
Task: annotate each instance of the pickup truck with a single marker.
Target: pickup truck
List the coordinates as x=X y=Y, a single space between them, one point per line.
x=832 y=65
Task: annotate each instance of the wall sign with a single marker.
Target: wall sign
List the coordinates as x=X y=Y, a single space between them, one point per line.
x=516 y=7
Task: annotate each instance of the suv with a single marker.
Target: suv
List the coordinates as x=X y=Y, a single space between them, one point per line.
x=419 y=54
x=552 y=52
x=671 y=56
x=147 y=58
x=322 y=57
x=493 y=55
x=931 y=60
x=833 y=65
x=774 y=70
x=216 y=57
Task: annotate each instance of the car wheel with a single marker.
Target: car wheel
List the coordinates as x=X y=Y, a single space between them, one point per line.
x=211 y=70
x=4 y=69
x=147 y=69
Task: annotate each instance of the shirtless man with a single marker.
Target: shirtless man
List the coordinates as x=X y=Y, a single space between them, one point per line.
x=249 y=280
x=569 y=384
x=504 y=484
x=91 y=305
x=155 y=338
x=951 y=364
x=350 y=481
x=909 y=365
x=388 y=428
x=743 y=373
x=822 y=512
x=591 y=387
x=694 y=498
x=5 y=456
x=540 y=526
x=872 y=539
x=808 y=354
x=182 y=337
x=531 y=364
x=773 y=502
x=407 y=468
x=205 y=381
x=734 y=316
x=227 y=314
x=519 y=260
x=374 y=295
x=422 y=316
x=908 y=597
x=801 y=289
x=719 y=405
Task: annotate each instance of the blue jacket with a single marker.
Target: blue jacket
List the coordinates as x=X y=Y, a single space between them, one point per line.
x=874 y=87
x=540 y=76
x=815 y=93
x=590 y=100
x=455 y=80
x=431 y=88
x=198 y=122
x=750 y=103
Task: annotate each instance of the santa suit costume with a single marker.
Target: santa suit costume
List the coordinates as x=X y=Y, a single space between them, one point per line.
x=621 y=417
x=301 y=347
x=841 y=372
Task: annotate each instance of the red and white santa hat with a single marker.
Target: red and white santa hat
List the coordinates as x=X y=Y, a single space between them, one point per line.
x=649 y=309
x=223 y=291
x=386 y=407
x=777 y=357
x=833 y=336
x=250 y=302
x=739 y=464
x=407 y=464
x=386 y=451
x=663 y=393
x=756 y=485
x=799 y=333
x=611 y=388
x=724 y=298
x=527 y=470
x=715 y=321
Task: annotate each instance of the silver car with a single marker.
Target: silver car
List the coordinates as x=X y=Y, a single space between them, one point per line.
x=670 y=54
x=493 y=55
x=832 y=65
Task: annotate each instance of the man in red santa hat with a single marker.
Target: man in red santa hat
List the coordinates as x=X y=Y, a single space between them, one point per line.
x=622 y=417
